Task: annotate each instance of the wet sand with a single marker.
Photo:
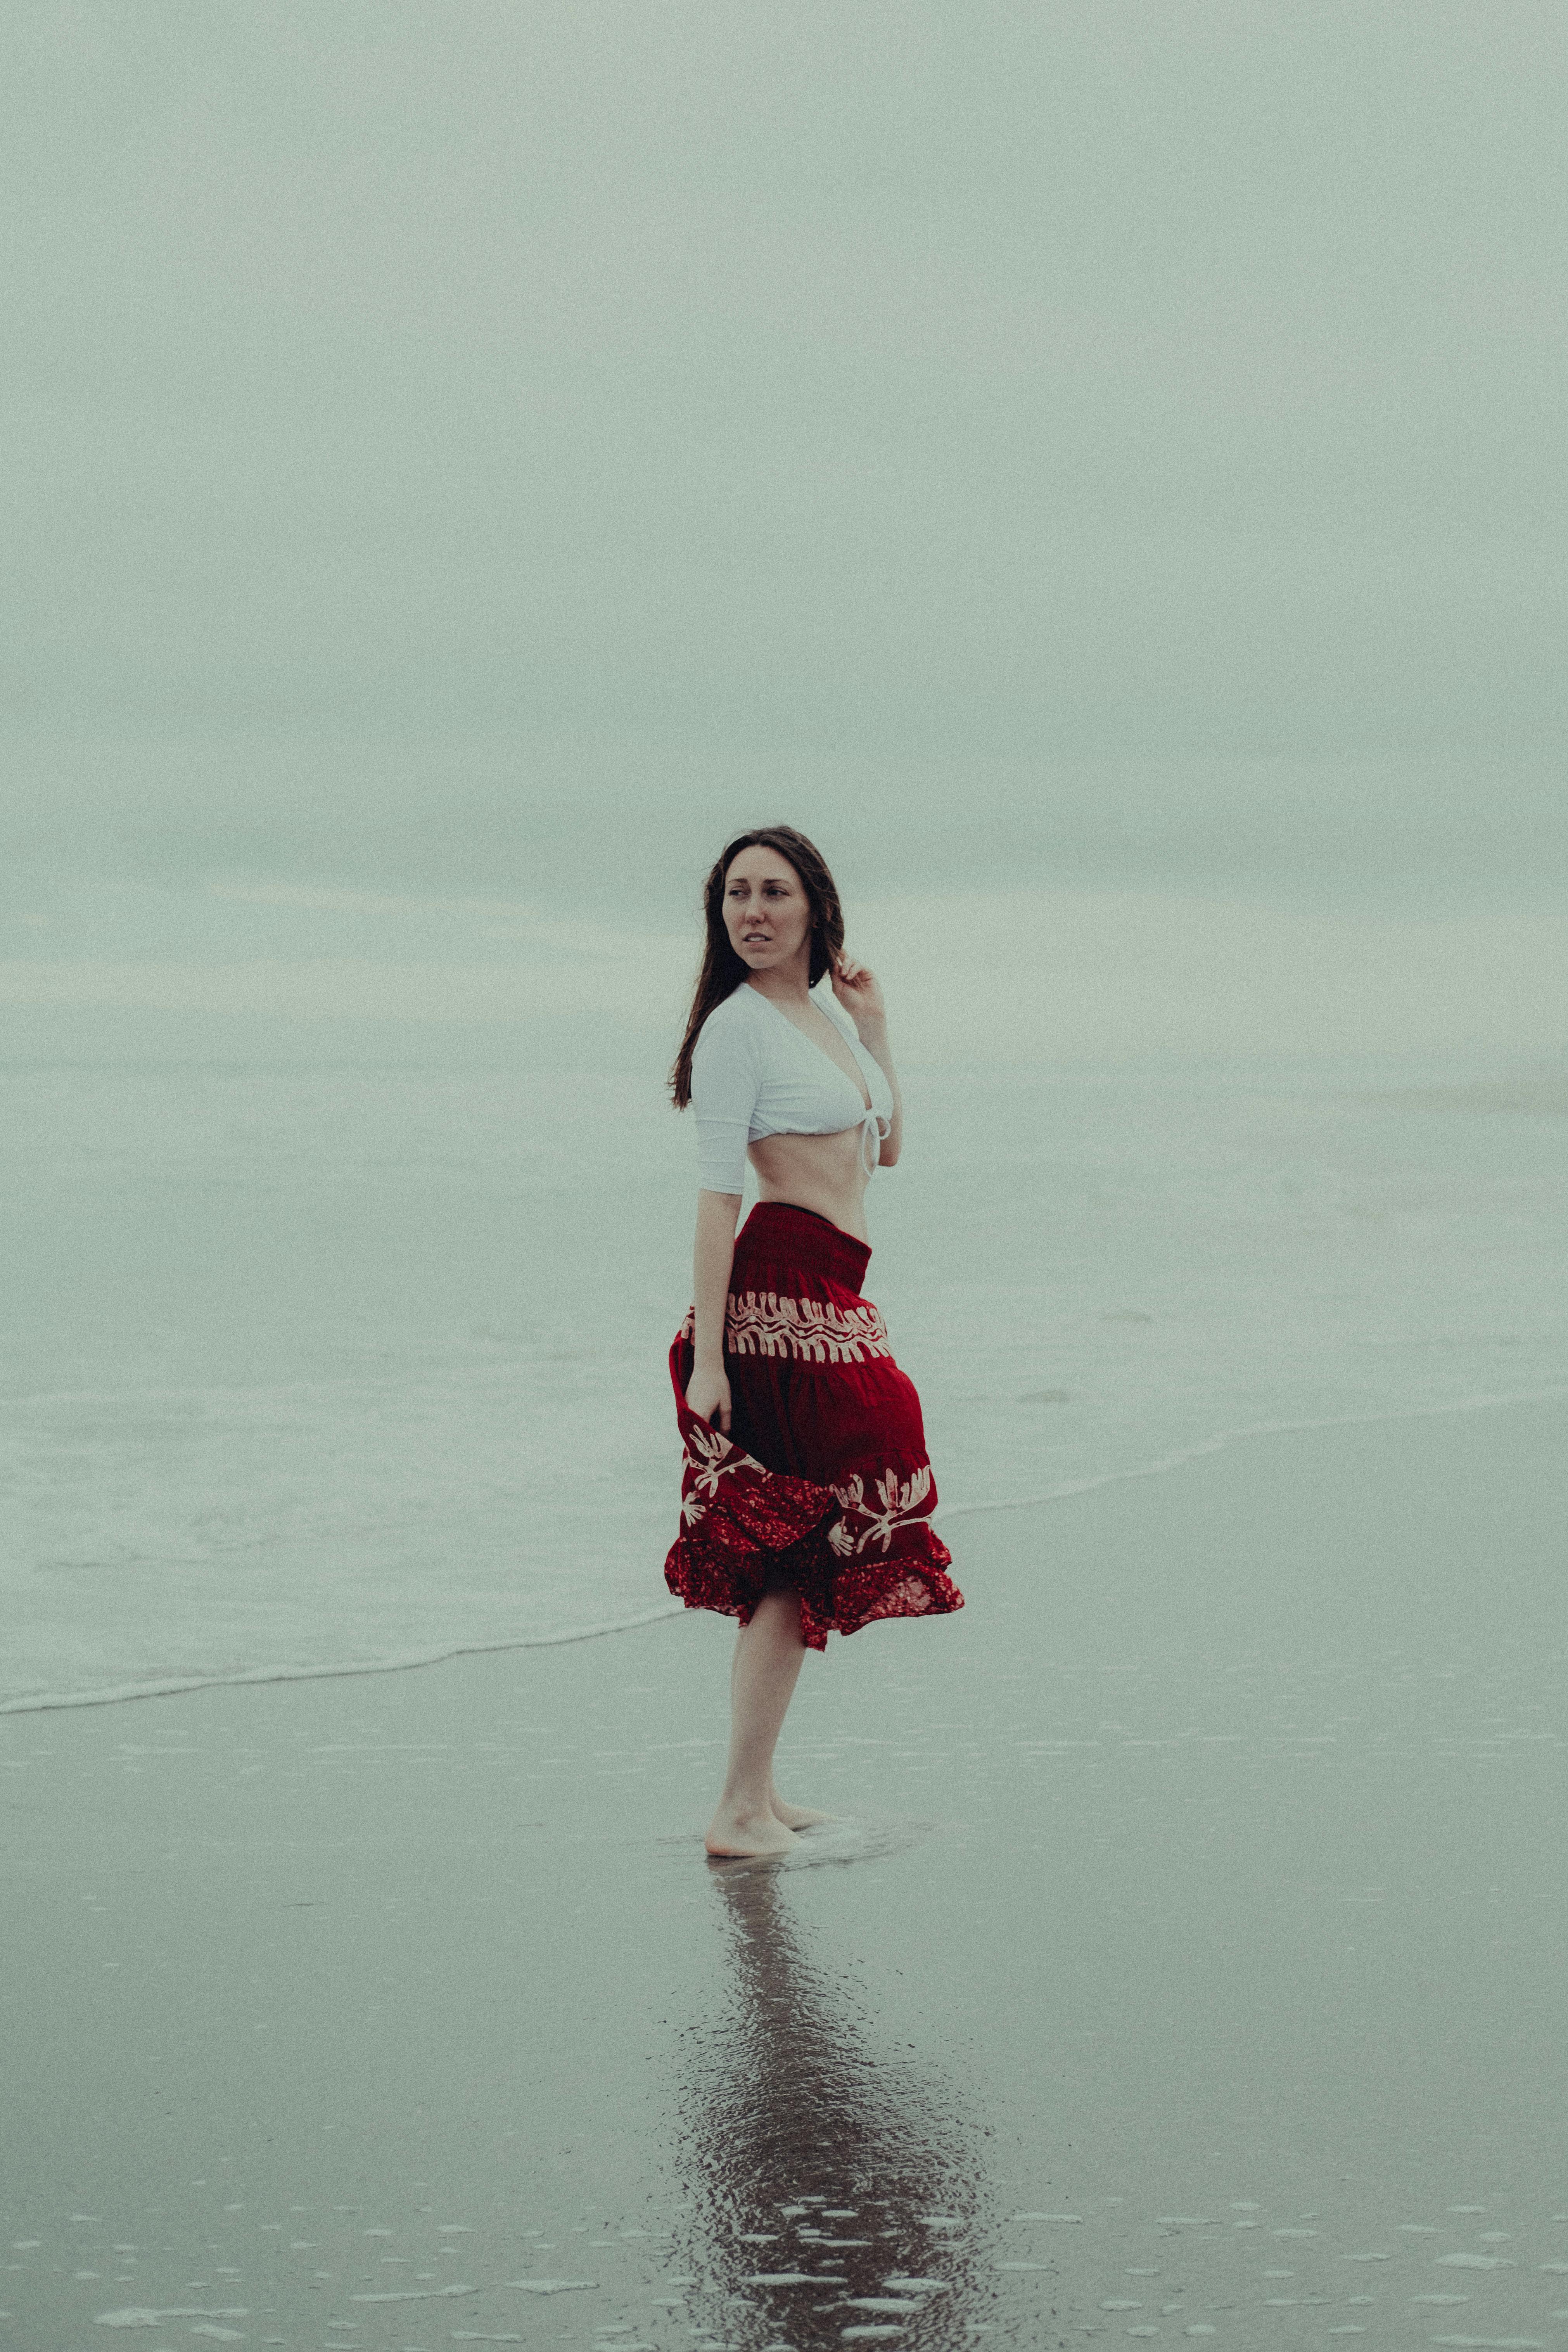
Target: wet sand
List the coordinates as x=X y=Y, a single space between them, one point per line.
x=1188 y=1962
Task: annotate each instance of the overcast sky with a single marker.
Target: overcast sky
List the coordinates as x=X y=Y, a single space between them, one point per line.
x=505 y=446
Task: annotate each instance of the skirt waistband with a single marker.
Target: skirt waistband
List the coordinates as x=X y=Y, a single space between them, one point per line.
x=777 y=1232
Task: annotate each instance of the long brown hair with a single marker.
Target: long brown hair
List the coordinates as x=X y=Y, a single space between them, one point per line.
x=722 y=970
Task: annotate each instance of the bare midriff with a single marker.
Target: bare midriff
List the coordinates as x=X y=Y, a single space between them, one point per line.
x=825 y=1173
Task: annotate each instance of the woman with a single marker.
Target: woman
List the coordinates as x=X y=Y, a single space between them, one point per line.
x=806 y=1500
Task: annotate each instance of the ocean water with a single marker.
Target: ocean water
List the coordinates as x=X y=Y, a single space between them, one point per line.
x=315 y=1368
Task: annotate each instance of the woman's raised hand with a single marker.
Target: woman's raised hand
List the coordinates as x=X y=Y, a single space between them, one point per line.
x=708 y=1396
x=857 y=987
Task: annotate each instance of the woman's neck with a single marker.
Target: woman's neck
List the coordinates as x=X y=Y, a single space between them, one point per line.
x=784 y=987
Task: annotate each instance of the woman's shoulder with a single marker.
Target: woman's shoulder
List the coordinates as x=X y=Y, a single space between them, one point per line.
x=728 y=1037
x=732 y=1016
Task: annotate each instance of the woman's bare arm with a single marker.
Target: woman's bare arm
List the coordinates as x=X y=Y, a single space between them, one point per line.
x=874 y=1037
x=708 y=1391
x=857 y=987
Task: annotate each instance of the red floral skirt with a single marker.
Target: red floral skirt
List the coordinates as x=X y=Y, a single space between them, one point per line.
x=823 y=1483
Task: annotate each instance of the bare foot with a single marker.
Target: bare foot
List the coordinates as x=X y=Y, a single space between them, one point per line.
x=798 y=1817
x=732 y=1832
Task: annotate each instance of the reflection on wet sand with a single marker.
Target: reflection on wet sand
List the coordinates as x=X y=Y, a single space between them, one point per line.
x=834 y=2185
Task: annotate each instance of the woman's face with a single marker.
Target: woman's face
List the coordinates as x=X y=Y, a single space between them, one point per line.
x=766 y=911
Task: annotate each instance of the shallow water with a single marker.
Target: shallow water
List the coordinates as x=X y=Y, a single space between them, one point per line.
x=1200 y=1970
x=314 y=1368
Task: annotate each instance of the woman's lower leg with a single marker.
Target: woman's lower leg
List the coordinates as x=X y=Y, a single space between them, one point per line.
x=765 y=1669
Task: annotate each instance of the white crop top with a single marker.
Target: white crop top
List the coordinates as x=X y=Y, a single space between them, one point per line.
x=753 y=1073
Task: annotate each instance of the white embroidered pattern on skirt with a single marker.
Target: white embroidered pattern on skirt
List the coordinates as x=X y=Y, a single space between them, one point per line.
x=760 y=1323
x=900 y=1504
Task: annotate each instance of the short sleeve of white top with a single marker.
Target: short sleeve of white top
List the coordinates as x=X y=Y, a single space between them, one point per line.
x=753 y=1073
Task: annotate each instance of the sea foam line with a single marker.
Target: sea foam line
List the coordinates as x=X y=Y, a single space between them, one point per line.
x=45 y=1702
x=42 y=1702
x=1205 y=1446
